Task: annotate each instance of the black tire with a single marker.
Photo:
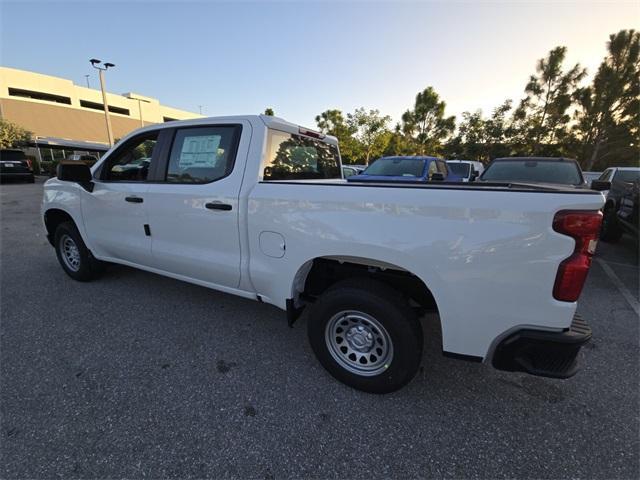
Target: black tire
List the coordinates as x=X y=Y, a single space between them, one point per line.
x=31 y=179
x=388 y=308
x=87 y=267
x=611 y=231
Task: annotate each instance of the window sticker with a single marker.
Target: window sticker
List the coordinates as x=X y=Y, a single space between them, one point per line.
x=199 y=151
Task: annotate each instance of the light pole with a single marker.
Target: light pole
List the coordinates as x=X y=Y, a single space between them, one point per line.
x=87 y=77
x=140 y=112
x=95 y=63
x=200 y=109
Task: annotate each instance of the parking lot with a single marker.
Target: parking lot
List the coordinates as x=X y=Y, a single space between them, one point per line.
x=136 y=375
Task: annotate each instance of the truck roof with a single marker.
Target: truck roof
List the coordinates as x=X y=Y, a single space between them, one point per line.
x=275 y=123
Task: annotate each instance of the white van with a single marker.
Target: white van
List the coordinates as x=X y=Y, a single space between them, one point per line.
x=469 y=170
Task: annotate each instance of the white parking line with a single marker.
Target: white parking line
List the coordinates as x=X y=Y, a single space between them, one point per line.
x=633 y=303
x=620 y=264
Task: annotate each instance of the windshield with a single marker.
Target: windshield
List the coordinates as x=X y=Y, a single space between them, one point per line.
x=396 y=167
x=627 y=175
x=459 y=168
x=562 y=172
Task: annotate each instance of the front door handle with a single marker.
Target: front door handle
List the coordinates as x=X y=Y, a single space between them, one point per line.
x=217 y=206
x=134 y=199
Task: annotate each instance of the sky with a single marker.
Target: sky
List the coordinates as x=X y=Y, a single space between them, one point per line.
x=304 y=57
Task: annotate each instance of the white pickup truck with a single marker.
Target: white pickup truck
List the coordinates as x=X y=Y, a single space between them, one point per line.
x=257 y=207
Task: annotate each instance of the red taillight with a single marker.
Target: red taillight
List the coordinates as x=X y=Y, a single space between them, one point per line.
x=29 y=164
x=583 y=227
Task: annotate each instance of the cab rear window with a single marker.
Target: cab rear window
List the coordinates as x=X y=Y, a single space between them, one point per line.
x=297 y=157
x=567 y=173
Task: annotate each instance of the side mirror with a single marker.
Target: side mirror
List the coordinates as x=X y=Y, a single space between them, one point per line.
x=77 y=172
x=474 y=175
x=600 y=185
x=437 y=177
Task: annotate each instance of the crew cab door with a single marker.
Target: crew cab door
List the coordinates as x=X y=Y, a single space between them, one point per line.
x=115 y=212
x=194 y=211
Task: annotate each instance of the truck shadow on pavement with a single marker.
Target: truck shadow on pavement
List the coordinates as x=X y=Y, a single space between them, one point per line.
x=201 y=311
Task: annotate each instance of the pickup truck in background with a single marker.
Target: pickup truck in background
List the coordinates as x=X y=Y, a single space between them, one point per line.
x=548 y=170
x=257 y=207
x=629 y=209
x=406 y=169
x=620 y=180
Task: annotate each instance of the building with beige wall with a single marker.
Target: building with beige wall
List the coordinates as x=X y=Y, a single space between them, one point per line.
x=60 y=113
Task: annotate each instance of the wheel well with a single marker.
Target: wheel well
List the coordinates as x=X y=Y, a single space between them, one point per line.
x=324 y=272
x=53 y=218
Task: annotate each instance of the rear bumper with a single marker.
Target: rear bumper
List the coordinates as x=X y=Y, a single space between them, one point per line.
x=545 y=354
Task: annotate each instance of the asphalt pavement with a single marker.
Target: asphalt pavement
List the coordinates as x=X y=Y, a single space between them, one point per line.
x=135 y=375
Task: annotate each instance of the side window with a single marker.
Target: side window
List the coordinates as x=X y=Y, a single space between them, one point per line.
x=433 y=168
x=202 y=154
x=297 y=157
x=131 y=163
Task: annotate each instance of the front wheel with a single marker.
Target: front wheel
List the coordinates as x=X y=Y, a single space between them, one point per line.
x=365 y=334
x=74 y=256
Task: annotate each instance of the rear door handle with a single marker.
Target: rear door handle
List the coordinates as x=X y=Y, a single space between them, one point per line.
x=134 y=199
x=217 y=206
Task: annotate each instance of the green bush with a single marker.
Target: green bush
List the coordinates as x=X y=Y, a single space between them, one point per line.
x=49 y=168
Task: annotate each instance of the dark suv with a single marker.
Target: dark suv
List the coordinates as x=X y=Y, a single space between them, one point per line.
x=15 y=165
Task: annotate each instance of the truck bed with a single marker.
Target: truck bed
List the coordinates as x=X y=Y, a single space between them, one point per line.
x=489 y=260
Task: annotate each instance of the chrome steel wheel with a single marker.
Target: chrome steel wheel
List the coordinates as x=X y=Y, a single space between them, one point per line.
x=359 y=343
x=70 y=253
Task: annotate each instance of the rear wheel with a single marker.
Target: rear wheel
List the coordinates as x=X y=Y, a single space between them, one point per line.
x=365 y=334
x=610 y=231
x=74 y=256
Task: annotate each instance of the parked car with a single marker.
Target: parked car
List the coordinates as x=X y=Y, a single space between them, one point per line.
x=15 y=165
x=83 y=157
x=628 y=213
x=349 y=170
x=502 y=265
x=468 y=170
x=562 y=171
x=619 y=176
x=619 y=180
x=415 y=169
